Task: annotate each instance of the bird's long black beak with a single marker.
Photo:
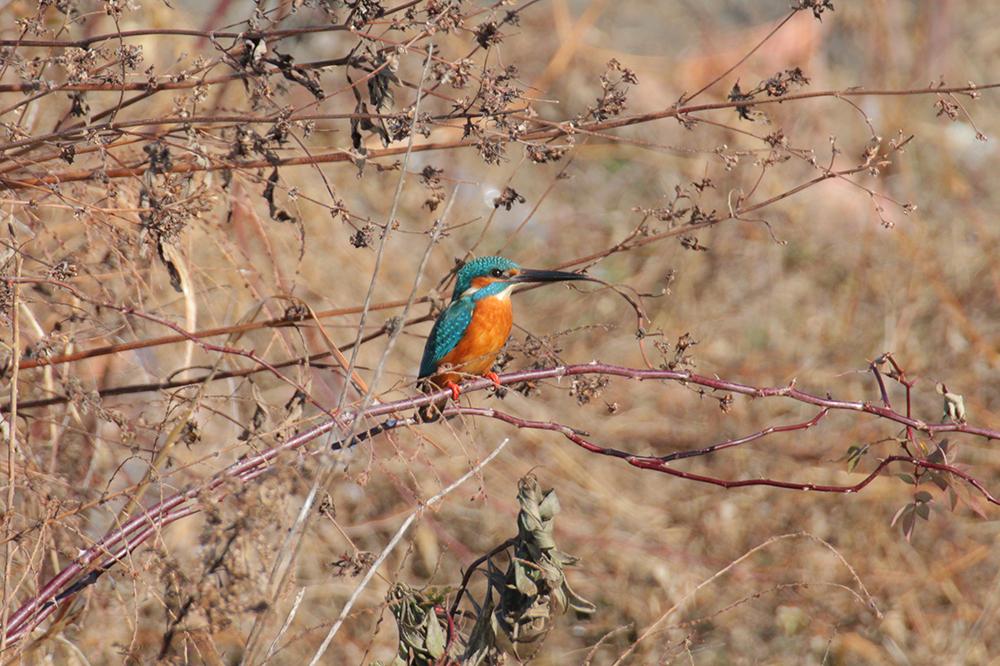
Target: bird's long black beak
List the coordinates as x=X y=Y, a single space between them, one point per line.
x=532 y=275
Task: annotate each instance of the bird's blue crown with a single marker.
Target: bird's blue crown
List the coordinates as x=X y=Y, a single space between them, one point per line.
x=479 y=267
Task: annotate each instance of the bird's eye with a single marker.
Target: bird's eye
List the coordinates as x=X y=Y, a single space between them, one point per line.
x=496 y=272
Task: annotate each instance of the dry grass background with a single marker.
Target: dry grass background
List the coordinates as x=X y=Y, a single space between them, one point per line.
x=837 y=291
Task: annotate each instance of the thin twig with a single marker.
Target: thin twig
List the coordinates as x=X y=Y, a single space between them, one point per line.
x=562 y=130
x=9 y=512
x=292 y=543
x=393 y=542
x=119 y=542
x=746 y=56
x=726 y=569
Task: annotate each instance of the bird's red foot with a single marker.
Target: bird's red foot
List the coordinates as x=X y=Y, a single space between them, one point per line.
x=455 y=391
x=493 y=377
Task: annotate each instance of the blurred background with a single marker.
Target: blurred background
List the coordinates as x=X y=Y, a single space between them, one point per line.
x=899 y=257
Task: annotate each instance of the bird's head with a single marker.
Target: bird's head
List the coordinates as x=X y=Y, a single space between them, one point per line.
x=495 y=276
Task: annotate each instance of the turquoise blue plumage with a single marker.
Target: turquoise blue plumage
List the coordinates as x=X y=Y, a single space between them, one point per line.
x=478 y=268
x=471 y=331
x=452 y=323
x=448 y=330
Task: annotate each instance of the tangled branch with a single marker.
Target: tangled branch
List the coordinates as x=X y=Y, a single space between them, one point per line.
x=115 y=546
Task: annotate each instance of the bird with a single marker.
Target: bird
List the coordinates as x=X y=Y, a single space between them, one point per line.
x=470 y=332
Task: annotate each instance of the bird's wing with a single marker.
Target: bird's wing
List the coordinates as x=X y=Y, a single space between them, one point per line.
x=448 y=330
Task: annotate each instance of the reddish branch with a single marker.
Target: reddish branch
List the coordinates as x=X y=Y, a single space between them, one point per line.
x=628 y=244
x=118 y=126
x=312 y=360
x=536 y=135
x=267 y=35
x=128 y=310
x=115 y=546
x=278 y=322
x=87 y=42
x=661 y=463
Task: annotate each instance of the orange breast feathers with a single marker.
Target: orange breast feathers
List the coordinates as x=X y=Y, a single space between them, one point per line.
x=477 y=350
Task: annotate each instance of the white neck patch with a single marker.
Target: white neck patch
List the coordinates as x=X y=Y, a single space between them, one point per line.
x=502 y=295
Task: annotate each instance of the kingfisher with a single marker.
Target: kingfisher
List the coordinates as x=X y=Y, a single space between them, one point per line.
x=471 y=331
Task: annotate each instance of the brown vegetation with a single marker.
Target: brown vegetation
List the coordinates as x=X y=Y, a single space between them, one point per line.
x=226 y=227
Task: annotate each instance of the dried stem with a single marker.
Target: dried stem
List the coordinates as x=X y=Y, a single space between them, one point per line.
x=88 y=567
x=393 y=542
x=537 y=135
x=11 y=427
